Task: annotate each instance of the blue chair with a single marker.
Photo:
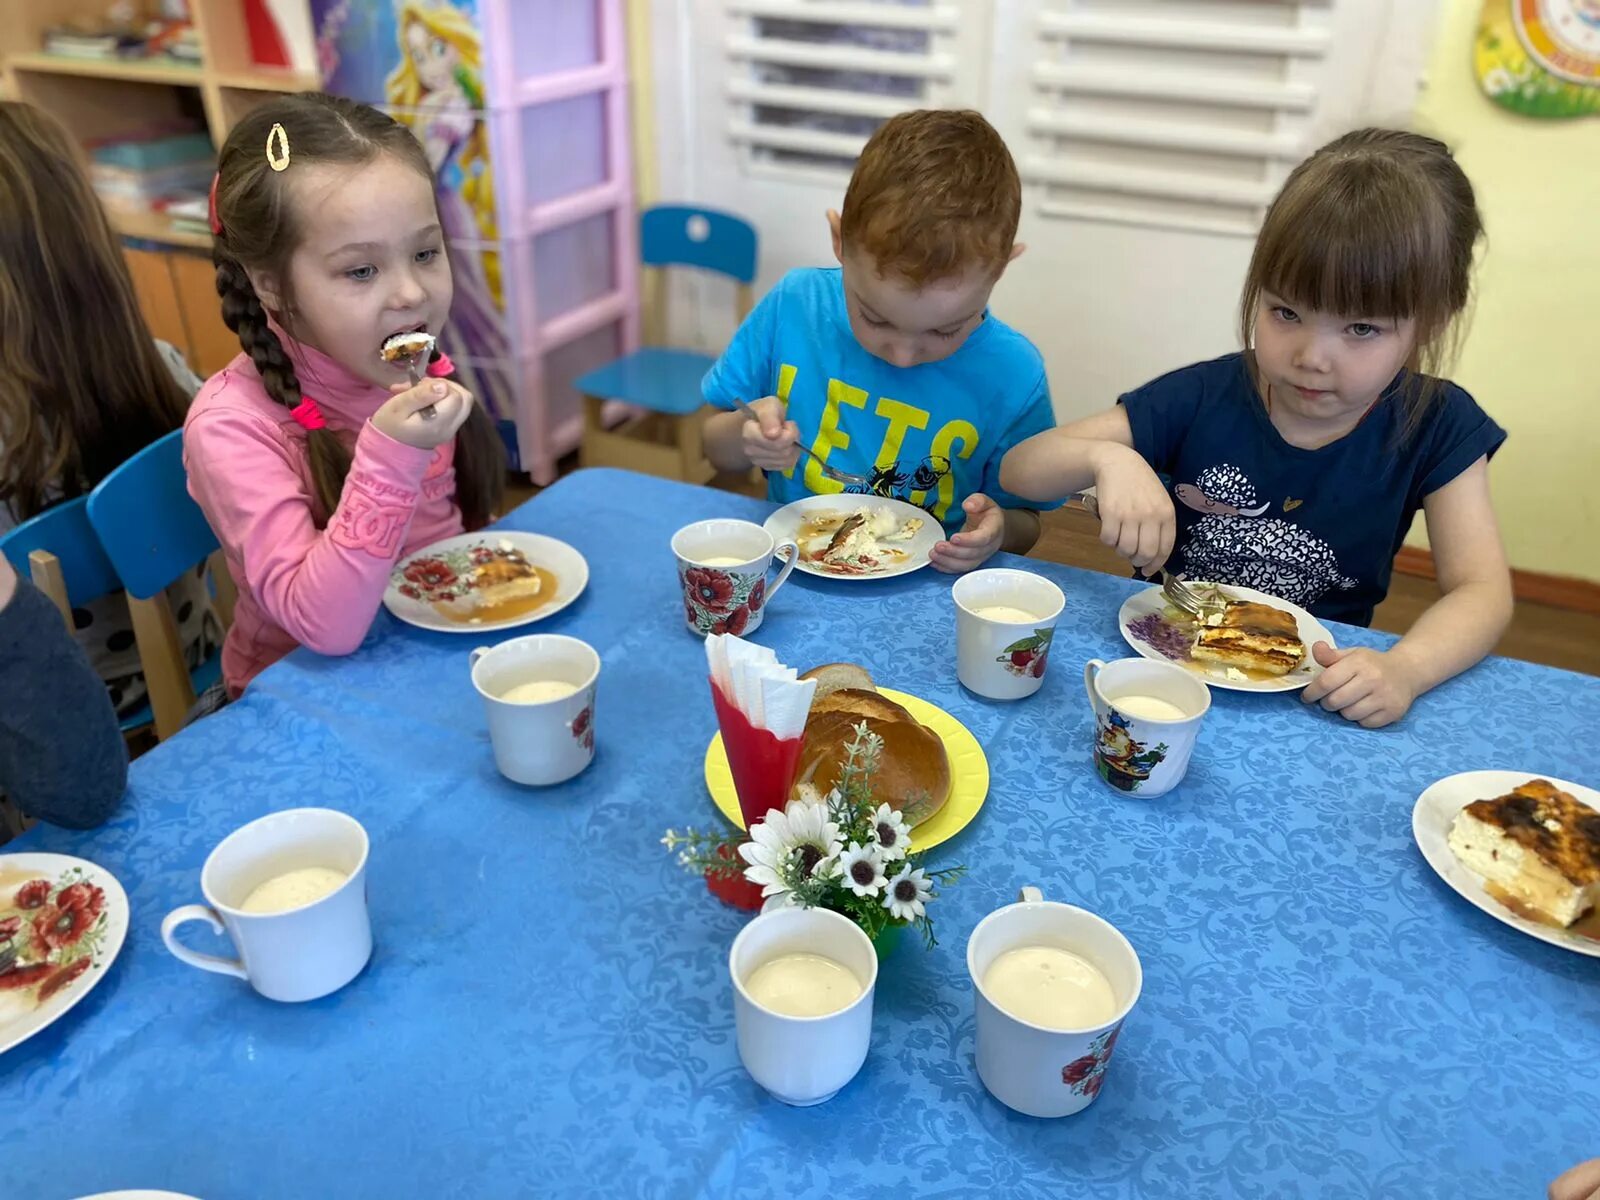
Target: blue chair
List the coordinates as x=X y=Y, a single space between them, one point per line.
x=152 y=532
x=58 y=550
x=662 y=436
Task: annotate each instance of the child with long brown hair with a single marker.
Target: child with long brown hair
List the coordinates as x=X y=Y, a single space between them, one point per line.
x=83 y=386
x=1299 y=464
x=316 y=468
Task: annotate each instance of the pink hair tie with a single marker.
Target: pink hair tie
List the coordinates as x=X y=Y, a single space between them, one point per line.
x=441 y=366
x=308 y=414
x=211 y=212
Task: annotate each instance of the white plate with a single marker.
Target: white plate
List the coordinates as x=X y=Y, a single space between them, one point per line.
x=784 y=525
x=137 y=1194
x=1430 y=824
x=1151 y=601
x=566 y=564
x=21 y=1013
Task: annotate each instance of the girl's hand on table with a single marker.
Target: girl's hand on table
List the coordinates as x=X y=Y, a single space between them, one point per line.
x=1369 y=687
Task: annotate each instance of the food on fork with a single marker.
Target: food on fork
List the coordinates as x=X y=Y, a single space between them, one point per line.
x=913 y=770
x=858 y=542
x=411 y=347
x=1539 y=849
x=1251 y=636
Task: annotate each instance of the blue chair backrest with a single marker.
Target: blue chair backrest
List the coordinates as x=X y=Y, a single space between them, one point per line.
x=674 y=236
x=65 y=532
x=151 y=528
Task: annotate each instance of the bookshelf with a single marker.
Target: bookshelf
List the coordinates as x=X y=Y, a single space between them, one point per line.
x=101 y=98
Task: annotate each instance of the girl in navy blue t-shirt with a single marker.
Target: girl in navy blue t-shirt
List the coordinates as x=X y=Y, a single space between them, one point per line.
x=1297 y=466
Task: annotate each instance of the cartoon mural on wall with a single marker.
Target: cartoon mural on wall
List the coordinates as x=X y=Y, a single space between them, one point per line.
x=422 y=61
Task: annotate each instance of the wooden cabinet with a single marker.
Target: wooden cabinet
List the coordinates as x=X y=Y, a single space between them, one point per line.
x=178 y=296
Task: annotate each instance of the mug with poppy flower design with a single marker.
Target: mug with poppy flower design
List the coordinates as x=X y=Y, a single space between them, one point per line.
x=1038 y=1070
x=722 y=565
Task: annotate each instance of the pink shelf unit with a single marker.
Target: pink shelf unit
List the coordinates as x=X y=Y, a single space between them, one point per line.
x=556 y=81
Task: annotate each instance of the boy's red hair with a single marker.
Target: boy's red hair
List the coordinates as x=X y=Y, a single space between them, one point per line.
x=934 y=194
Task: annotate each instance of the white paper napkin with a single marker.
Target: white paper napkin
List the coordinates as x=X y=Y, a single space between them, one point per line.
x=752 y=679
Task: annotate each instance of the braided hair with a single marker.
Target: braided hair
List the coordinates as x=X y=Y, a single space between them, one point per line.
x=259 y=232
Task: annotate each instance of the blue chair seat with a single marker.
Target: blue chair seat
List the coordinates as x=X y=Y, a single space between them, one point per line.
x=662 y=380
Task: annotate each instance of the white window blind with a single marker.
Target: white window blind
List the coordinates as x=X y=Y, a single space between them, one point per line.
x=810 y=80
x=1179 y=113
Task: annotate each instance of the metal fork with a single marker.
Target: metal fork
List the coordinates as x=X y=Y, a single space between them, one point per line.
x=1198 y=606
x=833 y=473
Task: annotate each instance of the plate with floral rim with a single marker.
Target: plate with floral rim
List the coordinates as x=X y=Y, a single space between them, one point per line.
x=1156 y=630
x=62 y=924
x=969 y=774
x=427 y=588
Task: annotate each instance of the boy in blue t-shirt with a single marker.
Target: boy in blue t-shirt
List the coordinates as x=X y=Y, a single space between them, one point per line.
x=890 y=366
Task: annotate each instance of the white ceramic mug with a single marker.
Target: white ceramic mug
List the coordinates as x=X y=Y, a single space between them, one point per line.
x=722 y=566
x=1038 y=1071
x=299 y=954
x=547 y=741
x=1000 y=656
x=802 y=1060
x=1133 y=750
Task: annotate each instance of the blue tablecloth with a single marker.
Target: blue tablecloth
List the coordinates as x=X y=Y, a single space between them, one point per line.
x=548 y=1010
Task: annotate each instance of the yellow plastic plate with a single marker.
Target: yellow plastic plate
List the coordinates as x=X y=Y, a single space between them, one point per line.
x=969 y=775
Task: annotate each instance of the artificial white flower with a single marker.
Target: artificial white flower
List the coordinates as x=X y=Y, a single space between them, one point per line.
x=816 y=837
x=862 y=869
x=781 y=900
x=908 y=894
x=892 y=832
x=775 y=840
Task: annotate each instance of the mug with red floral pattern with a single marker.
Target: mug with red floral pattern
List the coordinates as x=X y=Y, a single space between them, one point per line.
x=722 y=565
x=1057 y=1069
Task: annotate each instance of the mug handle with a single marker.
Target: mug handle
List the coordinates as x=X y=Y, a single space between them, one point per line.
x=1091 y=672
x=206 y=962
x=1030 y=895
x=790 y=560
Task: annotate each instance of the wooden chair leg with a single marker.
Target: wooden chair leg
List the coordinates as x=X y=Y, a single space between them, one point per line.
x=166 y=675
x=594 y=426
x=227 y=594
x=693 y=467
x=44 y=569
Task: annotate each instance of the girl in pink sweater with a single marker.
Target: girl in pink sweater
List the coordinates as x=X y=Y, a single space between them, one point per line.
x=315 y=462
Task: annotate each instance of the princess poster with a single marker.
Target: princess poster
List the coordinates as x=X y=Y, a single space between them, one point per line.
x=422 y=61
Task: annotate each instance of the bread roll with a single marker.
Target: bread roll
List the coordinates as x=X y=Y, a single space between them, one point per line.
x=833 y=677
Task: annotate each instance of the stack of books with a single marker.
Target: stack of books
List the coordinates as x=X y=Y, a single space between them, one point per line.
x=92 y=41
x=143 y=173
